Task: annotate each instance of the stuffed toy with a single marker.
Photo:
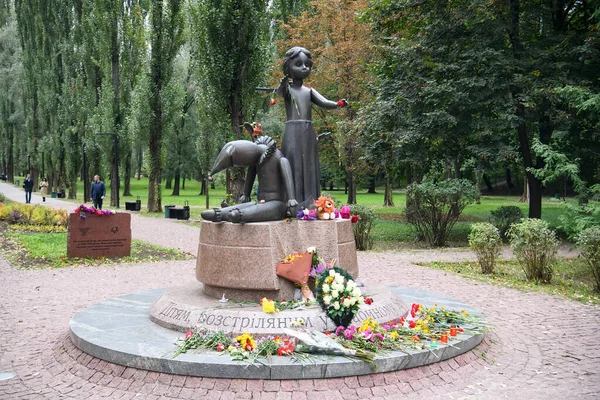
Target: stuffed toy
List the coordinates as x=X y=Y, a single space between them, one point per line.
x=325 y=208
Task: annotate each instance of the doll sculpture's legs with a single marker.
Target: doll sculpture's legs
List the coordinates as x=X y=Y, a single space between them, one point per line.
x=247 y=212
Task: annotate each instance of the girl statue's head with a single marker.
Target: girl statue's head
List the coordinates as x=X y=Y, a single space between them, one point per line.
x=291 y=55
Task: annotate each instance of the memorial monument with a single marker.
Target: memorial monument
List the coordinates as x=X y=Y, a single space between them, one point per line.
x=239 y=247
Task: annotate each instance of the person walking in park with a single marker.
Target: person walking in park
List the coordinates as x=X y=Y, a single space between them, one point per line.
x=28 y=186
x=97 y=192
x=44 y=189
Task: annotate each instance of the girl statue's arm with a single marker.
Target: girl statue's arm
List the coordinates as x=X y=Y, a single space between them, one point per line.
x=318 y=99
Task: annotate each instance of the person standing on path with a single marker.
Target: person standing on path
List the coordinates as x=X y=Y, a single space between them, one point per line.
x=44 y=189
x=28 y=186
x=97 y=192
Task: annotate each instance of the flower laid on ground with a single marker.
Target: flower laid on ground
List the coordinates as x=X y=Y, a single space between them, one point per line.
x=421 y=328
x=307 y=215
x=338 y=295
x=268 y=306
x=83 y=210
x=272 y=306
x=242 y=348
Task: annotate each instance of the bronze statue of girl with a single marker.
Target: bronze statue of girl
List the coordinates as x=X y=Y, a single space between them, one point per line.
x=299 y=143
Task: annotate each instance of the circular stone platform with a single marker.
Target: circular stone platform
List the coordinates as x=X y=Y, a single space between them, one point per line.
x=120 y=331
x=186 y=307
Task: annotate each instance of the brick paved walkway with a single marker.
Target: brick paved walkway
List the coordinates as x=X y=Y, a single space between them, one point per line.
x=540 y=346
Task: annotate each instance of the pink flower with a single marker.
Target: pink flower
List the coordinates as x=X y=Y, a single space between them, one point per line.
x=188 y=335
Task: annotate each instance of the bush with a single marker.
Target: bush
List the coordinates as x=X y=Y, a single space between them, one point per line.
x=576 y=219
x=588 y=242
x=2 y=197
x=432 y=209
x=504 y=217
x=535 y=246
x=16 y=213
x=485 y=241
x=362 y=227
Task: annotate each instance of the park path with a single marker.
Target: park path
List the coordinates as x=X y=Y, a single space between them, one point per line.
x=539 y=346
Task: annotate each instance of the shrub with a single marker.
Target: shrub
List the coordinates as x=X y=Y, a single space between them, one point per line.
x=432 y=209
x=485 y=241
x=42 y=216
x=504 y=217
x=588 y=242
x=362 y=227
x=576 y=219
x=2 y=197
x=535 y=246
x=61 y=217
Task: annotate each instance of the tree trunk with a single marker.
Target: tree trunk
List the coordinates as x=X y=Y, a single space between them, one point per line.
x=509 y=184
x=488 y=184
x=140 y=160
x=169 y=183
x=127 y=174
x=457 y=172
x=183 y=183
x=372 y=185
x=351 y=188
x=387 y=197
x=203 y=187
x=525 y=195
x=156 y=127
x=176 y=185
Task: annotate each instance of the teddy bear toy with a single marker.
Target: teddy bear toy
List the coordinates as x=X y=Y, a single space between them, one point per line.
x=325 y=208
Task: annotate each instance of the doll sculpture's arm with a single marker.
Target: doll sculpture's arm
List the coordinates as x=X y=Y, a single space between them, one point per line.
x=318 y=99
x=288 y=182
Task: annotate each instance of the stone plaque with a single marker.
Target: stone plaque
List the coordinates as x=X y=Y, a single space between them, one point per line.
x=99 y=235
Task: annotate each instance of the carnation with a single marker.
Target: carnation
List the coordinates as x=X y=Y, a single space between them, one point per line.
x=326 y=288
x=335 y=294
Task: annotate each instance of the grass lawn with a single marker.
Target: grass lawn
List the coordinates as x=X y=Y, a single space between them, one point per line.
x=44 y=249
x=571 y=278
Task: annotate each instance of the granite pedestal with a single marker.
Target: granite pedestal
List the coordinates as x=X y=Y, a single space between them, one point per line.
x=240 y=259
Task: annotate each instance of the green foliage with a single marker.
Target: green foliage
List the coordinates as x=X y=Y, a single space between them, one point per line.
x=535 y=246
x=2 y=197
x=485 y=241
x=504 y=217
x=362 y=228
x=433 y=208
x=588 y=243
x=575 y=219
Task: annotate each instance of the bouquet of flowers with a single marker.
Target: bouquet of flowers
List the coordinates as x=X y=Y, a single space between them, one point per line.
x=83 y=209
x=296 y=268
x=338 y=295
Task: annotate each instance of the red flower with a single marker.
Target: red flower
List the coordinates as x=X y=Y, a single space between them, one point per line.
x=414 y=309
x=285 y=350
x=328 y=333
x=248 y=346
x=273 y=102
x=412 y=324
x=220 y=347
x=354 y=219
x=369 y=300
x=188 y=335
x=460 y=330
x=401 y=321
x=342 y=103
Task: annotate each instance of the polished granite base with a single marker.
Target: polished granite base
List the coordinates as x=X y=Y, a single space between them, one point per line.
x=120 y=331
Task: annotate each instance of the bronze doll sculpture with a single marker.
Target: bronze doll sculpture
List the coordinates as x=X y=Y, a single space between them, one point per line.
x=276 y=198
x=299 y=143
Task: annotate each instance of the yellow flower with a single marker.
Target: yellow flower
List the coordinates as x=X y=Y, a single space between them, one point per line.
x=394 y=335
x=246 y=339
x=268 y=305
x=465 y=313
x=368 y=323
